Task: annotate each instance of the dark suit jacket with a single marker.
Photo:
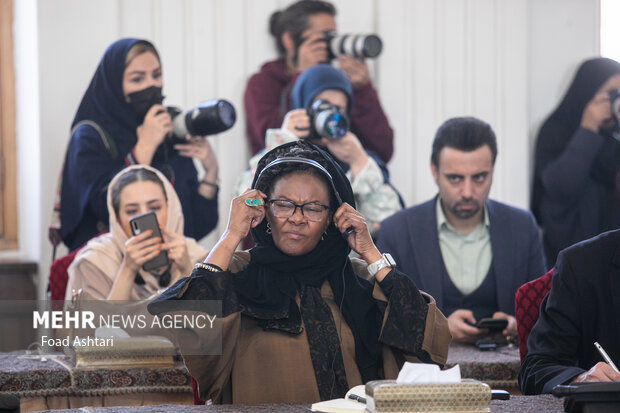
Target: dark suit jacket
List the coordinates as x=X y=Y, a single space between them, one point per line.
x=583 y=306
x=411 y=237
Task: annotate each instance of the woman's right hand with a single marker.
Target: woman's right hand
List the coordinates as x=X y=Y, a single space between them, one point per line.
x=156 y=126
x=312 y=50
x=140 y=249
x=297 y=122
x=243 y=217
x=597 y=111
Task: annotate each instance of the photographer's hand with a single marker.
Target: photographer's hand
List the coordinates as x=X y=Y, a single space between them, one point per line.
x=311 y=51
x=349 y=150
x=596 y=112
x=199 y=147
x=356 y=70
x=297 y=122
x=156 y=126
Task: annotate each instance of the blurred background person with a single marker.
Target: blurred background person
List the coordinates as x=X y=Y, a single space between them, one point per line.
x=470 y=252
x=576 y=187
x=375 y=196
x=121 y=122
x=299 y=33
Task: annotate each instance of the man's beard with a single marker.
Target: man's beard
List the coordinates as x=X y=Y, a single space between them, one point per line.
x=465 y=213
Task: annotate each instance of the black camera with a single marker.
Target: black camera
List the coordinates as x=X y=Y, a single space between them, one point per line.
x=356 y=45
x=614 y=99
x=208 y=118
x=327 y=120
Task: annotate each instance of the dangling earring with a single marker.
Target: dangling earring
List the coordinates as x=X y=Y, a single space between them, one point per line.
x=324 y=236
x=268 y=230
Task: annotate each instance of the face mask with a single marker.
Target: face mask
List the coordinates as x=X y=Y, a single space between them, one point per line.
x=142 y=100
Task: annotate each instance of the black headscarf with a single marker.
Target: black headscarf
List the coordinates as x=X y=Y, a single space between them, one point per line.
x=558 y=129
x=268 y=285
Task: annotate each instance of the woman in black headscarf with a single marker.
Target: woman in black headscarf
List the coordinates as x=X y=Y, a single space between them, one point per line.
x=576 y=191
x=301 y=322
x=121 y=122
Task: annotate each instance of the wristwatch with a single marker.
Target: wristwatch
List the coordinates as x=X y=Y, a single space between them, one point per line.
x=386 y=260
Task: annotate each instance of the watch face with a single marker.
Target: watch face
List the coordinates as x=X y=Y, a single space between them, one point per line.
x=390 y=260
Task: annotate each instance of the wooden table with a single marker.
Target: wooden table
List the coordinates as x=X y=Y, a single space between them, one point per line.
x=498 y=368
x=55 y=384
x=516 y=404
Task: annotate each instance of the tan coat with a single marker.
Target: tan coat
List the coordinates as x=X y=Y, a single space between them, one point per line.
x=258 y=366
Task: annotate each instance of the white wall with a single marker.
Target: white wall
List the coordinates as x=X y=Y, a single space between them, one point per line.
x=505 y=61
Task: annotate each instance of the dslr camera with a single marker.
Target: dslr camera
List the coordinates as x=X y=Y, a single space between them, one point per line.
x=357 y=45
x=614 y=99
x=327 y=120
x=613 y=127
x=208 y=118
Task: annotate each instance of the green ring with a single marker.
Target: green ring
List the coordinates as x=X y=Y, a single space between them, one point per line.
x=253 y=202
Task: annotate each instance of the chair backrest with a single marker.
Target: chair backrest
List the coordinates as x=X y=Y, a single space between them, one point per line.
x=197 y=399
x=527 y=306
x=59 y=275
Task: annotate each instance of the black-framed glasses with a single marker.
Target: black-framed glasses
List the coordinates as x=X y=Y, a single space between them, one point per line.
x=281 y=208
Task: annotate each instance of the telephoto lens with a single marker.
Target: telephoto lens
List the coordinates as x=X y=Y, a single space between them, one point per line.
x=356 y=45
x=208 y=118
x=327 y=120
x=614 y=99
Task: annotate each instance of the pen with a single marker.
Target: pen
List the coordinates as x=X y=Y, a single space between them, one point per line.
x=605 y=356
x=357 y=398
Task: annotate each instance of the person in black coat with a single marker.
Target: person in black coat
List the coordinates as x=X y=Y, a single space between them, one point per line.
x=576 y=189
x=582 y=307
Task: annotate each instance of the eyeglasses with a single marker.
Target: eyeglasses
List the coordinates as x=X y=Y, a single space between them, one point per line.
x=281 y=208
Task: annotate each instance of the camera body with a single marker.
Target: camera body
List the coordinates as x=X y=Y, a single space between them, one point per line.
x=614 y=100
x=208 y=118
x=327 y=120
x=357 y=45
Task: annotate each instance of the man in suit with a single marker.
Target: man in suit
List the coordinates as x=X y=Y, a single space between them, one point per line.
x=470 y=253
x=582 y=307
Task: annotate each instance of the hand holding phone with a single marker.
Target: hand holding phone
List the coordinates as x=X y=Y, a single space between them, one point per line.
x=156 y=257
x=492 y=324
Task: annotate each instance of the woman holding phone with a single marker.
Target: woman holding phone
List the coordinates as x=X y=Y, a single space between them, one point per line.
x=110 y=266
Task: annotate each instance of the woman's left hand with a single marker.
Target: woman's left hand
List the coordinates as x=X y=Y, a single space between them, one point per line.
x=176 y=247
x=199 y=147
x=360 y=240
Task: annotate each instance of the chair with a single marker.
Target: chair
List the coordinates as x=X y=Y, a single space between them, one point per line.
x=59 y=275
x=197 y=400
x=527 y=306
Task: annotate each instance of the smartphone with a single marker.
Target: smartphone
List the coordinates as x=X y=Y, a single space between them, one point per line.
x=493 y=324
x=144 y=222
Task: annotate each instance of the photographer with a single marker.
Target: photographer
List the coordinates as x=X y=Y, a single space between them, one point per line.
x=375 y=197
x=121 y=122
x=576 y=191
x=299 y=31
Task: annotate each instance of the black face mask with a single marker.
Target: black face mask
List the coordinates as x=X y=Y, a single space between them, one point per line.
x=142 y=100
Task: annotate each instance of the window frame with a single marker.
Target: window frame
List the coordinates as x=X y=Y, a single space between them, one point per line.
x=8 y=148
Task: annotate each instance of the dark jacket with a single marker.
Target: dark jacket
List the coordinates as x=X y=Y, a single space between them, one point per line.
x=411 y=237
x=582 y=307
